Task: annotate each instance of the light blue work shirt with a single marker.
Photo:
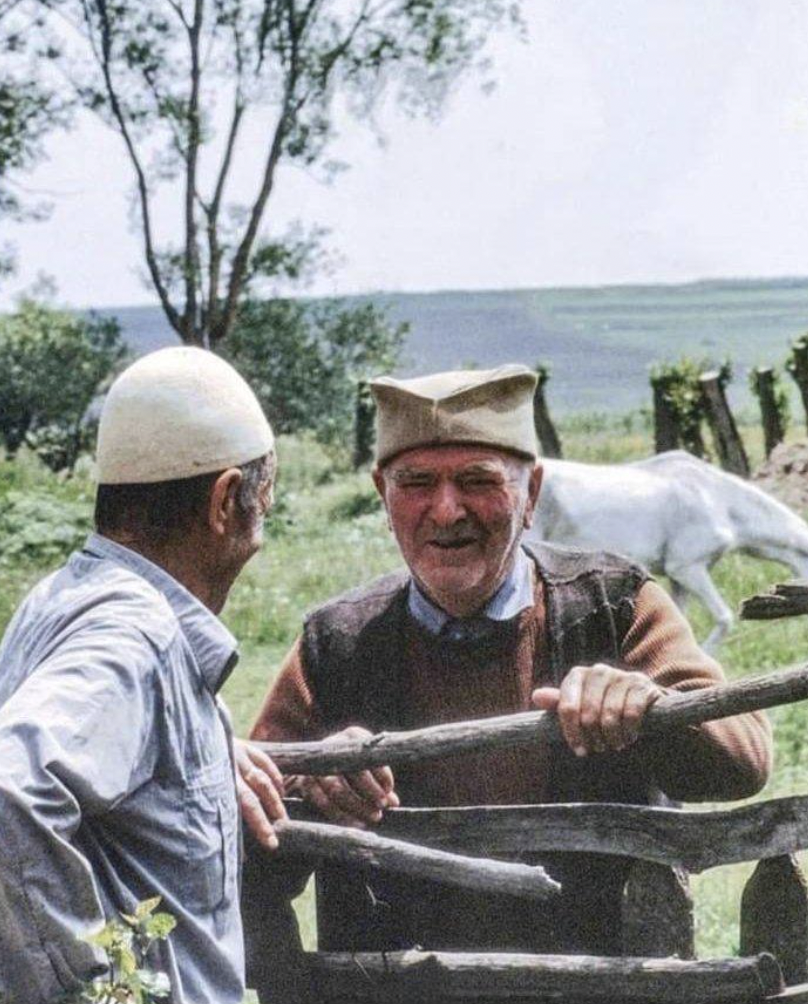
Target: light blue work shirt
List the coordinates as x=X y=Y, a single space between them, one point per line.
x=514 y=595
x=116 y=778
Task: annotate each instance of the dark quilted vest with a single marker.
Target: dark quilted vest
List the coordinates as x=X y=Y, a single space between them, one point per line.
x=353 y=651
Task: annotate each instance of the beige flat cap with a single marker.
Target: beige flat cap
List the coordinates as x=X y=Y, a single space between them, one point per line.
x=176 y=413
x=481 y=407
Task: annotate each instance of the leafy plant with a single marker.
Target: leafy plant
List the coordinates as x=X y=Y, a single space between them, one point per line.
x=126 y=943
x=52 y=366
x=304 y=360
x=39 y=528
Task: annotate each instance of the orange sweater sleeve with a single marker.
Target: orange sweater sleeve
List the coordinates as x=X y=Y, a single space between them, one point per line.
x=726 y=759
x=288 y=713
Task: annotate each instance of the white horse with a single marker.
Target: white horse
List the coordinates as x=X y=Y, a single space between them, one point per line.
x=673 y=514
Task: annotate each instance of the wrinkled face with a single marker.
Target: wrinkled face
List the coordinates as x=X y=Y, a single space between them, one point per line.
x=458 y=513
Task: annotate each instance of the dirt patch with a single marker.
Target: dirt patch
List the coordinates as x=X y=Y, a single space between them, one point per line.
x=785 y=474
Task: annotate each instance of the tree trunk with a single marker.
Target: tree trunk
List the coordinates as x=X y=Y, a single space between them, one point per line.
x=728 y=444
x=773 y=431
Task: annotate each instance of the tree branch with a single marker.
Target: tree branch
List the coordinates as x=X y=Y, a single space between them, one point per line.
x=191 y=255
x=142 y=186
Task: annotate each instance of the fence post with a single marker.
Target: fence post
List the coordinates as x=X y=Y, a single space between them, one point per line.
x=798 y=368
x=666 y=427
x=657 y=912
x=363 y=426
x=774 y=916
x=545 y=430
x=728 y=443
x=773 y=431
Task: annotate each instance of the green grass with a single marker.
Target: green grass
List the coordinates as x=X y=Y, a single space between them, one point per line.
x=328 y=535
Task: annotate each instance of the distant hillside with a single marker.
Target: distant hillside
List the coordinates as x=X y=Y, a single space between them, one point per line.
x=600 y=341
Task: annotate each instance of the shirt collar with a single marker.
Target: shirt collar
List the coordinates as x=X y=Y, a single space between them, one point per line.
x=513 y=596
x=214 y=647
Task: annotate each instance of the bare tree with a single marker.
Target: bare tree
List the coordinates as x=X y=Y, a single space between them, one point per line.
x=168 y=72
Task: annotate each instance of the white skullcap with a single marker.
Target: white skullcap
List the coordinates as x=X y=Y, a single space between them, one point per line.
x=479 y=407
x=176 y=413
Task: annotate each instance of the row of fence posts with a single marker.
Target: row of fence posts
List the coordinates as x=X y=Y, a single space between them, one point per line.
x=727 y=441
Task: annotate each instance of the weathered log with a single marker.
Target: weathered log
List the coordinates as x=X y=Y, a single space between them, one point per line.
x=423 y=976
x=798 y=368
x=666 y=426
x=657 y=912
x=339 y=843
x=768 y=608
x=773 y=430
x=728 y=443
x=392 y=748
x=693 y=840
x=774 y=916
x=786 y=599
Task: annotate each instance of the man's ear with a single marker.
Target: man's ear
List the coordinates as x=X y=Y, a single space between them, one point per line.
x=378 y=480
x=222 y=500
x=533 y=492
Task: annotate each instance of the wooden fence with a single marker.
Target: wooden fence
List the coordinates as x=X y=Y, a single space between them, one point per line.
x=471 y=846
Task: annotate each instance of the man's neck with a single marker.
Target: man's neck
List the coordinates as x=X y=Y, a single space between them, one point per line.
x=184 y=564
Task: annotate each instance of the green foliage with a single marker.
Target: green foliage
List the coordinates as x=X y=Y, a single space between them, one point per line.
x=52 y=366
x=126 y=943
x=29 y=106
x=39 y=528
x=304 y=360
x=680 y=385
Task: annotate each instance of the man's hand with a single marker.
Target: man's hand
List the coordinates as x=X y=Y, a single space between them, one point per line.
x=259 y=785
x=352 y=799
x=599 y=707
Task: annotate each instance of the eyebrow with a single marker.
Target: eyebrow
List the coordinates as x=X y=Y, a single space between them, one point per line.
x=482 y=467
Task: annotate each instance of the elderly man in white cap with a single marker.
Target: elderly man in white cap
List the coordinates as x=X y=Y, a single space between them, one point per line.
x=479 y=624
x=117 y=780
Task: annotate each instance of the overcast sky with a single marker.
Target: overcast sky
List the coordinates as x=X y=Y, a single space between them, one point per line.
x=627 y=141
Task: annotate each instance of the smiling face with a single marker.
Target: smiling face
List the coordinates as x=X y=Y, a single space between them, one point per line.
x=458 y=513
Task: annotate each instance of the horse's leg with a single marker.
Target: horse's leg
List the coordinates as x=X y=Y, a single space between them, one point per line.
x=680 y=594
x=696 y=579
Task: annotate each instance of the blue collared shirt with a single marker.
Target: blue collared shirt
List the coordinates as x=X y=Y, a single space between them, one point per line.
x=513 y=596
x=116 y=778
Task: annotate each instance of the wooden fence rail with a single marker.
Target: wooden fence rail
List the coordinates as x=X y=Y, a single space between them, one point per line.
x=393 y=748
x=427 y=976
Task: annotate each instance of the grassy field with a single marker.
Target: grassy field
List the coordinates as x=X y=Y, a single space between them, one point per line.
x=328 y=534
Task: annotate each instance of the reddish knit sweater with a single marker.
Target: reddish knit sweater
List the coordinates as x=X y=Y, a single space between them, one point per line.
x=719 y=760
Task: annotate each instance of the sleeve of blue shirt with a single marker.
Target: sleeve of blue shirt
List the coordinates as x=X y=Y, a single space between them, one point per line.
x=74 y=741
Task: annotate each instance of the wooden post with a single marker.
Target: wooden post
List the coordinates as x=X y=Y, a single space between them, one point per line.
x=363 y=428
x=728 y=443
x=774 y=916
x=773 y=431
x=657 y=912
x=545 y=430
x=798 y=368
x=666 y=428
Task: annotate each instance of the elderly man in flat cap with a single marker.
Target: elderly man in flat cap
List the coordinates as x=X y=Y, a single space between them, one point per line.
x=480 y=624
x=117 y=780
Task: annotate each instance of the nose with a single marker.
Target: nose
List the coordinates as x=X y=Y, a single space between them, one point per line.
x=447 y=506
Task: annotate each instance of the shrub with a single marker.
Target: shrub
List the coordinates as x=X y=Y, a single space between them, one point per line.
x=304 y=361
x=52 y=366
